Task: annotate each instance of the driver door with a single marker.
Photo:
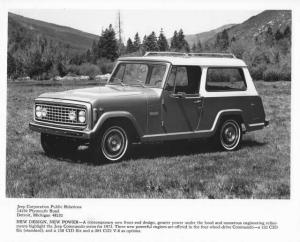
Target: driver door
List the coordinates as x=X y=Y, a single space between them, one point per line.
x=181 y=101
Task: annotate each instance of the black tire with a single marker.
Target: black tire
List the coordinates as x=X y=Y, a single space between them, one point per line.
x=112 y=144
x=55 y=145
x=229 y=135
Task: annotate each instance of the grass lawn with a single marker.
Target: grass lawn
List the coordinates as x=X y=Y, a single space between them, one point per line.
x=260 y=169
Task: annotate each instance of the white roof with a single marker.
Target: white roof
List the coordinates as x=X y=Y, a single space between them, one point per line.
x=190 y=60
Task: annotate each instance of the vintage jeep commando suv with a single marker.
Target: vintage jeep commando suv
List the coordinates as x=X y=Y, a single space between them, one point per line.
x=160 y=96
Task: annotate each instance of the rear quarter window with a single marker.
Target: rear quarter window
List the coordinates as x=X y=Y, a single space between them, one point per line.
x=225 y=79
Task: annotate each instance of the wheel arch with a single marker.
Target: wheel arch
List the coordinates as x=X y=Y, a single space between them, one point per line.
x=230 y=114
x=126 y=118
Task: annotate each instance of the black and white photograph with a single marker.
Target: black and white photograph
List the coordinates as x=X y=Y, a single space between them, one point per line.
x=149 y=109
x=149 y=121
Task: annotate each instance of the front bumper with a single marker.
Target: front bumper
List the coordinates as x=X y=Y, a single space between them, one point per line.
x=66 y=132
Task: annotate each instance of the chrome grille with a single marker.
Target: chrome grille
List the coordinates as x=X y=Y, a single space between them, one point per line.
x=60 y=114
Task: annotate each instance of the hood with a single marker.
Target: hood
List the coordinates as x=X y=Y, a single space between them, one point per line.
x=95 y=93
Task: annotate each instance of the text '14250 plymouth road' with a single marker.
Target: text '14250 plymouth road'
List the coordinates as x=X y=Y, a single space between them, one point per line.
x=160 y=96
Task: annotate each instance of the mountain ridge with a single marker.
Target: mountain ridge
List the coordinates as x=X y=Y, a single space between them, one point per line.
x=76 y=39
x=206 y=35
x=258 y=24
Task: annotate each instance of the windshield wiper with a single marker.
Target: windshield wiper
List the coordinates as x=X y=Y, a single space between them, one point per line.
x=116 y=83
x=137 y=83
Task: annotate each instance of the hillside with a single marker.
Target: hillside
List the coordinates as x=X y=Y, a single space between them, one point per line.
x=257 y=25
x=43 y=50
x=77 y=40
x=204 y=36
x=262 y=41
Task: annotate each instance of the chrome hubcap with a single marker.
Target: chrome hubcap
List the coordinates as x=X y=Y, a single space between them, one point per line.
x=114 y=143
x=230 y=134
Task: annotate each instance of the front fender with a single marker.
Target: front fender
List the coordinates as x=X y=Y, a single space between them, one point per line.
x=117 y=114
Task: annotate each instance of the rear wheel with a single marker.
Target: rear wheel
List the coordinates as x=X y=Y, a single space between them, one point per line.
x=229 y=135
x=111 y=145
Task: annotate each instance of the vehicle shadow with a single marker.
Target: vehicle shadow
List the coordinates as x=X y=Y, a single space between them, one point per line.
x=171 y=149
x=252 y=143
x=155 y=150
x=176 y=148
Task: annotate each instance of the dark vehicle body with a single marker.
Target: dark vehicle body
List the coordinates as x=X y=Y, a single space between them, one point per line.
x=173 y=97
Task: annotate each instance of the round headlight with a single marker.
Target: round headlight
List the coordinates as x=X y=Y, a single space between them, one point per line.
x=72 y=115
x=81 y=116
x=44 y=112
x=38 y=111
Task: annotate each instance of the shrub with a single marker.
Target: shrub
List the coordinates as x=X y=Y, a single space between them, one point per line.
x=238 y=48
x=286 y=68
x=272 y=75
x=105 y=65
x=257 y=72
x=90 y=70
x=73 y=69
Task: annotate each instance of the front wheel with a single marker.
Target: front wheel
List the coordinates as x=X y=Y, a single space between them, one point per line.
x=230 y=135
x=111 y=145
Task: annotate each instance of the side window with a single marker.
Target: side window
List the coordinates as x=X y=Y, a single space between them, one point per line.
x=185 y=78
x=181 y=80
x=170 y=83
x=225 y=79
x=157 y=75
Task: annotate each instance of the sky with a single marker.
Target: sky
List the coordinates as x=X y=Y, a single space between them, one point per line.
x=141 y=21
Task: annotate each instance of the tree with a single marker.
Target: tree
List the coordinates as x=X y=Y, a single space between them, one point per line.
x=108 y=44
x=199 y=46
x=174 y=41
x=162 y=42
x=238 y=48
x=144 y=44
x=178 y=42
x=11 y=65
x=137 y=42
x=78 y=59
x=61 y=69
x=222 y=41
x=277 y=57
x=182 y=43
x=95 y=52
x=287 y=33
x=130 y=47
x=150 y=42
x=88 y=56
x=279 y=35
x=194 y=47
x=269 y=39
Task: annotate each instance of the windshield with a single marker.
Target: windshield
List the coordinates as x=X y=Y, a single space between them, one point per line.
x=139 y=74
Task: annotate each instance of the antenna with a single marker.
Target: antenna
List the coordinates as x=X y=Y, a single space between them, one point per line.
x=119 y=27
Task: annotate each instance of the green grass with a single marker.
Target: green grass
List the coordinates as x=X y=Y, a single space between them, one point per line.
x=260 y=169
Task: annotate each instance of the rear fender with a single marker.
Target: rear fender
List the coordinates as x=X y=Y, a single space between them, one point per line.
x=235 y=114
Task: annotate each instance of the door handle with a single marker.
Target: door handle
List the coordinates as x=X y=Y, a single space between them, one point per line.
x=198 y=101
